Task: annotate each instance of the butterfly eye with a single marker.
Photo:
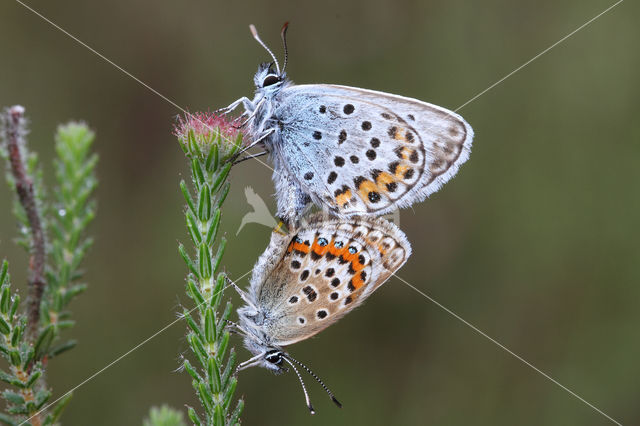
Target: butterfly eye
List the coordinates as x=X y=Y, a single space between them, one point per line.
x=297 y=239
x=353 y=250
x=339 y=244
x=270 y=79
x=274 y=357
x=322 y=242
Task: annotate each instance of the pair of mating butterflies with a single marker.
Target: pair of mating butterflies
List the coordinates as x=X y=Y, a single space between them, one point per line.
x=358 y=154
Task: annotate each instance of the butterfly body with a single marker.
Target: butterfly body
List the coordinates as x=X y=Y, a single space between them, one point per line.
x=306 y=281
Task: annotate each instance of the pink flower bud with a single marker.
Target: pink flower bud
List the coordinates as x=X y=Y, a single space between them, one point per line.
x=207 y=129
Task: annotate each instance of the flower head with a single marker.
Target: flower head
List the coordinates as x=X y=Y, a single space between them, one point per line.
x=198 y=133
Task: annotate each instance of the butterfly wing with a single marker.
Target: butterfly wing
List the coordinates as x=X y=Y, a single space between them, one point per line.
x=360 y=151
x=328 y=268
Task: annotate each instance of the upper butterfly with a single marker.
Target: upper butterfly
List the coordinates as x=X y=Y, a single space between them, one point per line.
x=353 y=151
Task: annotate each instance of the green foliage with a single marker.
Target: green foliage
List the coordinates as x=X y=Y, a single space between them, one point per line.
x=29 y=335
x=212 y=370
x=26 y=397
x=71 y=213
x=164 y=416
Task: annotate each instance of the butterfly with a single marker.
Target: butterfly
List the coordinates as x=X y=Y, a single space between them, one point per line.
x=307 y=280
x=351 y=151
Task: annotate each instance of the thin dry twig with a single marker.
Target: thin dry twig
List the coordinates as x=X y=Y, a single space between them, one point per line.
x=15 y=131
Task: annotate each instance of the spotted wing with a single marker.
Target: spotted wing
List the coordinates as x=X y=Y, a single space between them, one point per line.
x=365 y=152
x=325 y=270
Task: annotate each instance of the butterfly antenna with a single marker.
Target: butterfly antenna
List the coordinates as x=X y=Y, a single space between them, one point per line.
x=254 y=32
x=333 y=398
x=304 y=388
x=283 y=34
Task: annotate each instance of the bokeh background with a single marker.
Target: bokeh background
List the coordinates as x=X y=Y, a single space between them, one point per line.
x=534 y=242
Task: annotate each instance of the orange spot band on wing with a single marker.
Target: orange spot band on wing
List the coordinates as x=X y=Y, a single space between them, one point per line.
x=382 y=250
x=356 y=266
x=318 y=249
x=365 y=188
x=343 y=198
x=400 y=135
x=406 y=153
x=336 y=251
x=400 y=171
x=351 y=258
x=357 y=281
x=383 y=180
x=301 y=247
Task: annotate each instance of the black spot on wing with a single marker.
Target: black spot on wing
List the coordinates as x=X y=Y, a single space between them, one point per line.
x=332 y=177
x=374 y=196
x=342 y=136
x=310 y=293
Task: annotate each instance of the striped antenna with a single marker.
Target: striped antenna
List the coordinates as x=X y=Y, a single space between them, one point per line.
x=254 y=32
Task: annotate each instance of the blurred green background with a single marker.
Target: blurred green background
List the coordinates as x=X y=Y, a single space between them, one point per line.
x=534 y=241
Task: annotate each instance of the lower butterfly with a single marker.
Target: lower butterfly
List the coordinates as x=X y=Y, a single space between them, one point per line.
x=308 y=280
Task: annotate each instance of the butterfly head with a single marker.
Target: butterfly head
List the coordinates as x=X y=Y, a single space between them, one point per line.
x=268 y=79
x=271 y=358
x=274 y=360
x=280 y=362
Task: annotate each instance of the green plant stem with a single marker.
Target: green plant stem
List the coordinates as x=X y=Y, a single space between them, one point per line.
x=207 y=335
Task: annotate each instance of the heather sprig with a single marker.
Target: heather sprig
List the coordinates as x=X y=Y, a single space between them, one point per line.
x=52 y=232
x=71 y=212
x=164 y=416
x=210 y=143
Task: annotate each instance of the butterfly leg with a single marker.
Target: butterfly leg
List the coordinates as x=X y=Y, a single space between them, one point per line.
x=232 y=328
x=251 y=362
x=259 y=140
x=249 y=157
x=252 y=115
x=235 y=327
x=248 y=104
